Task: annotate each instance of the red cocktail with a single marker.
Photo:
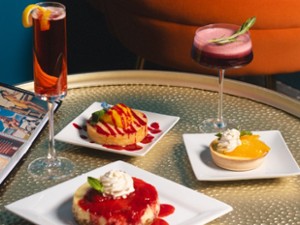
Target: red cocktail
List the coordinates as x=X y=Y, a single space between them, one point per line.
x=50 y=77
x=50 y=51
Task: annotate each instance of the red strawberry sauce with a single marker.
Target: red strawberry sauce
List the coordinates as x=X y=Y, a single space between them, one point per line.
x=154 y=128
x=130 y=208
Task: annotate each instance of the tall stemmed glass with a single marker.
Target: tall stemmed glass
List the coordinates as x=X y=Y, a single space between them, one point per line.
x=50 y=79
x=222 y=46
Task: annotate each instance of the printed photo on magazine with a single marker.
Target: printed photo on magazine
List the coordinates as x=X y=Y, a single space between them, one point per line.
x=22 y=117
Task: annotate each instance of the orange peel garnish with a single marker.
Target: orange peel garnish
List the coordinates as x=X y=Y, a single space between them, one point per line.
x=42 y=78
x=27 y=17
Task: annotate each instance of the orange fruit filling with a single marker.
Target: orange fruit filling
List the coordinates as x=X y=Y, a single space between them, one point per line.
x=119 y=115
x=251 y=147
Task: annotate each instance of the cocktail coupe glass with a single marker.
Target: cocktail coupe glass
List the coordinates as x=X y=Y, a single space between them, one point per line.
x=222 y=46
x=50 y=80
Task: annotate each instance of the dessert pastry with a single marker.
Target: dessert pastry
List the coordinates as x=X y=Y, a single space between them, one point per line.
x=117 y=125
x=116 y=198
x=238 y=151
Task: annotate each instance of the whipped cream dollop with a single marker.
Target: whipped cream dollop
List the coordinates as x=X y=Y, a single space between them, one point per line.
x=117 y=184
x=229 y=140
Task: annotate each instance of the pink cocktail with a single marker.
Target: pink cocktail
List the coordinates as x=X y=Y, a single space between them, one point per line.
x=222 y=46
x=224 y=56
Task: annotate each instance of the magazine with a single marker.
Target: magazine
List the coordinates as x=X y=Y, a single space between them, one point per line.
x=22 y=117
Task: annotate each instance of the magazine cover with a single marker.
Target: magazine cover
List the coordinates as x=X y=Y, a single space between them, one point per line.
x=22 y=117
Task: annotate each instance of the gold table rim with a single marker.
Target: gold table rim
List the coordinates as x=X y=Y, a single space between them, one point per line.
x=181 y=79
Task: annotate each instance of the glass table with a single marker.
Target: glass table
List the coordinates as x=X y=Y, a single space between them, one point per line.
x=191 y=97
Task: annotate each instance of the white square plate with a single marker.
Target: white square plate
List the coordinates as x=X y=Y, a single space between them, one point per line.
x=278 y=163
x=73 y=135
x=53 y=206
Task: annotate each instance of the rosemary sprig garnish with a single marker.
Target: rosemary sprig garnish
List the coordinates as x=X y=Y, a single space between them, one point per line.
x=243 y=29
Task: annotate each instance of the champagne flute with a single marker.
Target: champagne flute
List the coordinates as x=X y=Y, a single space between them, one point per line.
x=50 y=80
x=222 y=46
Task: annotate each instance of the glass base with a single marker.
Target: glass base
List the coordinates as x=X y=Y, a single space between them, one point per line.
x=46 y=169
x=214 y=125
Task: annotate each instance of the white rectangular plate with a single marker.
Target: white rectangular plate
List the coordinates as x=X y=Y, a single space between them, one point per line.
x=72 y=135
x=53 y=206
x=278 y=163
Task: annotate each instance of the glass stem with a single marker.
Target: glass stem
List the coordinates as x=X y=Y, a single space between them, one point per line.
x=220 y=106
x=51 y=147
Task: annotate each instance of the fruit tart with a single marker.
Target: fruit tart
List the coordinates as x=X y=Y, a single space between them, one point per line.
x=238 y=150
x=117 y=125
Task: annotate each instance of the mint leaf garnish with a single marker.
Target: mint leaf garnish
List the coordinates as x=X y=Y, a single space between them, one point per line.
x=245 y=132
x=95 y=184
x=242 y=133
x=96 y=116
x=219 y=135
x=243 y=29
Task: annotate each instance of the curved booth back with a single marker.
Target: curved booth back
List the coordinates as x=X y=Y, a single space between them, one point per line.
x=162 y=31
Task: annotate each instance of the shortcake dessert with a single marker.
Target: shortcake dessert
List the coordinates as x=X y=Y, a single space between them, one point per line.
x=115 y=198
x=117 y=125
x=238 y=151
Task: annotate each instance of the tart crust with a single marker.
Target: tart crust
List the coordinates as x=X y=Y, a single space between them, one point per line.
x=232 y=162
